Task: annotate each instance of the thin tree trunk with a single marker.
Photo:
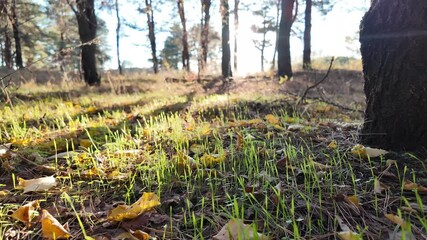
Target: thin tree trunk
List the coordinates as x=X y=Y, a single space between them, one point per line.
x=306 y=60
x=152 y=35
x=284 y=53
x=7 y=49
x=236 y=31
x=263 y=44
x=18 y=52
x=204 y=33
x=88 y=25
x=273 y=64
x=119 y=65
x=226 y=53
x=185 y=53
x=394 y=49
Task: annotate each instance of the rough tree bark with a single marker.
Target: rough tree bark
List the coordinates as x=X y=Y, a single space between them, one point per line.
x=204 y=33
x=236 y=31
x=283 y=48
x=119 y=64
x=393 y=47
x=226 y=52
x=185 y=53
x=306 y=59
x=87 y=24
x=151 y=34
x=18 y=52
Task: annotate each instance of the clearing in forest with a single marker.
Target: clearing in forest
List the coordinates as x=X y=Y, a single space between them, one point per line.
x=141 y=158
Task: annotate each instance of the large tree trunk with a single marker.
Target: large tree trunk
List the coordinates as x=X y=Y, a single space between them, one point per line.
x=204 y=33
x=306 y=59
x=226 y=53
x=236 y=31
x=15 y=24
x=87 y=25
x=119 y=64
x=393 y=46
x=283 y=48
x=185 y=53
x=152 y=35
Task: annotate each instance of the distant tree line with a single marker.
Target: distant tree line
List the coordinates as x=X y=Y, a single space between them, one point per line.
x=33 y=30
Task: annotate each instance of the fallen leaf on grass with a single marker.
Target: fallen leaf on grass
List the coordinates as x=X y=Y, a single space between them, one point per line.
x=320 y=166
x=133 y=235
x=367 y=152
x=212 y=159
x=397 y=220
x=26 y=212
x=333 y=144
x=147 y=202
x=51 y=228
x=236 y=229
x=270 y=118
x=414 y=186
x=38 y=184
x=379 y=187
x=295 y=127
x=353 y=200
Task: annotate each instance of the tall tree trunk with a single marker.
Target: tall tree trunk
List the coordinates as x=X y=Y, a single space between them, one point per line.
x=306 y=59
x=119 y=64
x=394 y=50
x=7 y=49
x=204 y=33
x=87 y=24
x=226 y=53
x=283 y=48
x=185 y=53
x=273 y=63
x=236 y=31
x=152 y=35
x=15 y=24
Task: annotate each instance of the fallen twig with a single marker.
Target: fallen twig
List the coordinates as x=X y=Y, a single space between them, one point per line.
x=304 y=95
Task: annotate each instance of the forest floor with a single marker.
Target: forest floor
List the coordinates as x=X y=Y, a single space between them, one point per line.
x=166 y=157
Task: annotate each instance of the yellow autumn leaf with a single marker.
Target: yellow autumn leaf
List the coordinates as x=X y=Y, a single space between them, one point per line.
x=349 y=235
x=91 y=109
x=51 y=228
x=333 y=144
x=319 y=166
x=254 y=121
x=212 y=159
x=236 y=229
x=197 y=148
x=365 y=152
x=26 y=212
x=270 y=118
x=117 y=175
x=397 y=220
x=4 y=193
x=205 y=129
x=145 y=203
x=86 y=143
x=37 y=184
x=353 y=200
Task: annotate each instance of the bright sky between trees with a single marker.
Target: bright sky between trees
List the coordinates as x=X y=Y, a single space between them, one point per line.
x=329 y=35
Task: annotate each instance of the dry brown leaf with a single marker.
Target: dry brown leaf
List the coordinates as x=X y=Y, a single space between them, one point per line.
x=397 y=220
x=414 y=186
x=26 y=212
x=236 y=229
x=379 y=187
x=51 y=228
x=38 y=184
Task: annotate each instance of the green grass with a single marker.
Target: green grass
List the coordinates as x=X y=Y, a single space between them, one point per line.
x=210 y=158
